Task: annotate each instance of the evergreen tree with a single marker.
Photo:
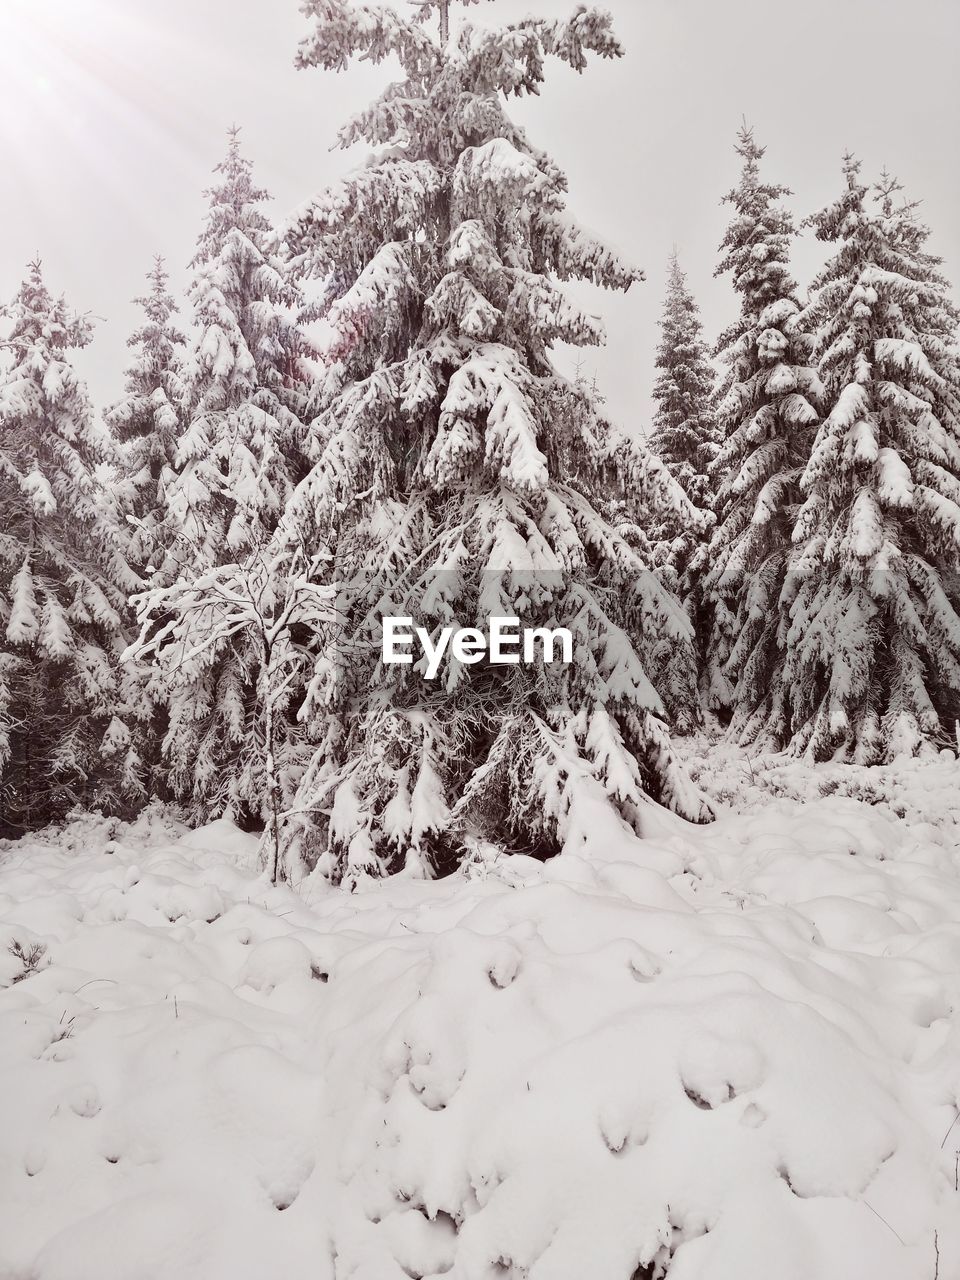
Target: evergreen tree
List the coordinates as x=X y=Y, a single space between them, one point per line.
x=685 y=436
x=767 y=406
x=237 y=459
x=236 y=463
x=147 y=420
x=67 y=711
x=684 y=430
x=874 y=647
x=455 y=468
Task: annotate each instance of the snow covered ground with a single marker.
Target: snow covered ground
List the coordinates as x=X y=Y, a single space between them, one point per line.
x=728 y=1053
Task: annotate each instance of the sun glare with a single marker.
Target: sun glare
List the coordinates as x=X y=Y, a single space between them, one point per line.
x=57 y=59
x=38 y=81
x=28 y=44
x=70 y=91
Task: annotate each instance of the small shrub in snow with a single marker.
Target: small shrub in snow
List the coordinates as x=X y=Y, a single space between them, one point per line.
x=30 y=955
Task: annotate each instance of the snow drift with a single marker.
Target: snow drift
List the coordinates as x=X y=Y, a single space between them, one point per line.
x=730 y=1053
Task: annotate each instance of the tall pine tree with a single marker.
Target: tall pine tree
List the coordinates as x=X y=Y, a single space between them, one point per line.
x=237 y=459
x=455 y=467
x=236 y=464
x=147 y=419
x=67 y=709
x=767 y=408
x=874 y=647
x=684 y=429
x=685 y=436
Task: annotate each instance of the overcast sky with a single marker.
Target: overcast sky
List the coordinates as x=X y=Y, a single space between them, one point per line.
x=113 y=112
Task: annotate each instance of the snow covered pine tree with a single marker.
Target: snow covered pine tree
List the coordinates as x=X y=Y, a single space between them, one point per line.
x=236 y=464
x=684 y=436
x=454 y=468
x=67 y=708
x=146 y=420
x=684 y=429
x=767 y=409
x=874 y=646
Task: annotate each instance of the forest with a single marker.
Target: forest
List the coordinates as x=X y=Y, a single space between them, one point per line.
x=355 y=413
x=448 y=830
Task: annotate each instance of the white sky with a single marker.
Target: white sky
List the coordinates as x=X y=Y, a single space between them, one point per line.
x=113 y=112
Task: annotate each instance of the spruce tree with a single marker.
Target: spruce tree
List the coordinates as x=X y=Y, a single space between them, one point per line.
x=236 y=462
x=237 y=458
x=684 y=436
x=874 y=646
x=67 y=710
x=147 y=419
x=456 y=470
x=684 y=429
x=767 y=407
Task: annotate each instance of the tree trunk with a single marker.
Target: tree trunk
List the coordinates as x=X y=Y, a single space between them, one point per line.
x=273 y=786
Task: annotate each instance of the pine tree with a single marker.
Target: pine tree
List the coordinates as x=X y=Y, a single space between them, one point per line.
x=67 y=710
x=237 y=459
x=455 y=468
x=685 y=436
x=684 y=430
x=236 y=464
x=874 y=647
x=147 y=420
x=767 y=406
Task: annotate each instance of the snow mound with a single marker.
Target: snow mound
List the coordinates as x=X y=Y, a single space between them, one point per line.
x=732 y=1052
x=924 y=791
